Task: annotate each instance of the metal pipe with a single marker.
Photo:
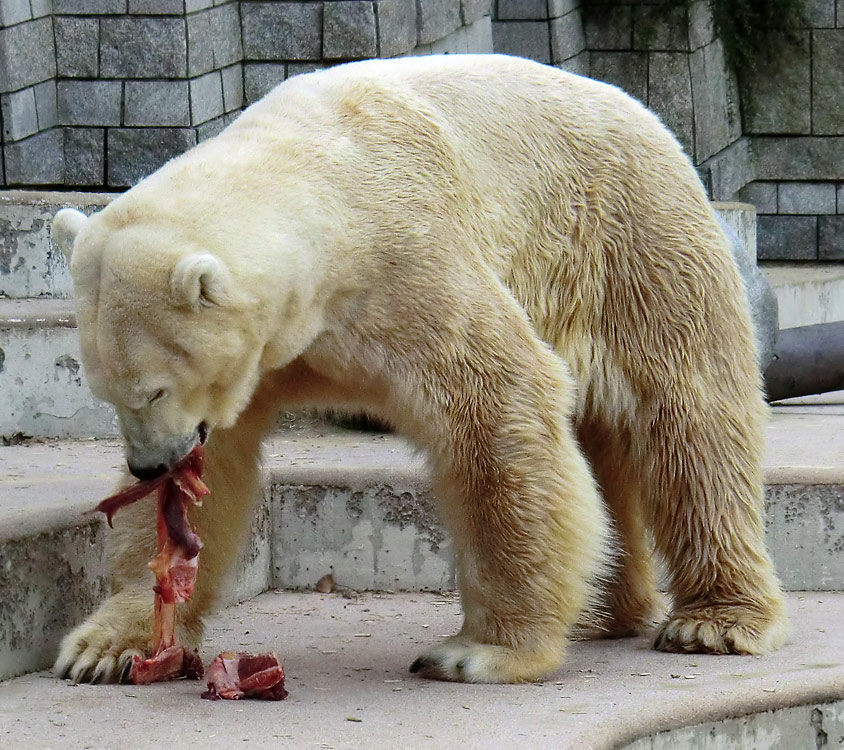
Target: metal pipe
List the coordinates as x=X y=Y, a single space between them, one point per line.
x=806 y=361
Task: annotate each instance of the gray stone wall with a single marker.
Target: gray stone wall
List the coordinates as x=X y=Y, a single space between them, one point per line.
x=793 y=108
x=99 y=93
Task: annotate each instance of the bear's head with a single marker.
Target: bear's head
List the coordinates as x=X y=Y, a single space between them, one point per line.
x=166 y=332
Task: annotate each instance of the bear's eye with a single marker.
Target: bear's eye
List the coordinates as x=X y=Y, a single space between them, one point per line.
x=157 y=396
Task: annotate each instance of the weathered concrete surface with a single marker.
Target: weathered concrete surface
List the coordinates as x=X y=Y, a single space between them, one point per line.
x=346 y=662
x=43 y=390
x=807 y=293
x=30 y=265
x=808 y=726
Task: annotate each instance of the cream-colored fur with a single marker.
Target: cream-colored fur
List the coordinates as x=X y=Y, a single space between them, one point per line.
x=510 y=264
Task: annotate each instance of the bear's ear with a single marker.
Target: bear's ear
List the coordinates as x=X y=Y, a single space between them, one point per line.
x=67 y=223
x=201 y=279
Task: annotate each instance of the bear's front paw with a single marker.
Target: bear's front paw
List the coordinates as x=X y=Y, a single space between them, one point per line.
x=722 y=630
x=460 y=659
x=102 y=647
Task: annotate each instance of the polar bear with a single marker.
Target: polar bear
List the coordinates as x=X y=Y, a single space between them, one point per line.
x=515 y=267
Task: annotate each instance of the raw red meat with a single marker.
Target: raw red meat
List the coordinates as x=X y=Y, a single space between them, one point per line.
x=234 y=676
x=175 y=566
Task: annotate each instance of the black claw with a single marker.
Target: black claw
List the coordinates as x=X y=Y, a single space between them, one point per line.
x=461 y=665
x=123 y=677
x=419 y=664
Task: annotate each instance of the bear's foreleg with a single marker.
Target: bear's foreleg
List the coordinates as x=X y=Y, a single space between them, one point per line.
x=102 y=647
x=517 y=495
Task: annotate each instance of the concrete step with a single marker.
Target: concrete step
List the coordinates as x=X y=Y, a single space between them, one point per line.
x=346 y=661
x=30 y=265
x=43 y=391
x=354 y=505
x=807 y=293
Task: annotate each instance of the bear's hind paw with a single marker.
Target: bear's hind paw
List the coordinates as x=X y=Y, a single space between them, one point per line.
x=722 y=630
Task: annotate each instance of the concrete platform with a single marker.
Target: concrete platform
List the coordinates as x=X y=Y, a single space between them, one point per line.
x=346 y=663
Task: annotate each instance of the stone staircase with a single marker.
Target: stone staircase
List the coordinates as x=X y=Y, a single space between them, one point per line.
x=358 y=506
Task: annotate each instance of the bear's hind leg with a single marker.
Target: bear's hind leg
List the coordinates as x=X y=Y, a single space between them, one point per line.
x=630 y=603
x=705 y=506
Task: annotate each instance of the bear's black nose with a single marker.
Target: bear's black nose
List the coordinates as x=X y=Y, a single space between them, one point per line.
x=147 y=472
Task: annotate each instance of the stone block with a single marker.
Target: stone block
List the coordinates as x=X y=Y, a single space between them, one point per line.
x=701 y=24
x=474 y=10
x=77 y=46
x=143 y=47
x=436 y=19
x=232 y=87
x=41 y=8
x=134 y=153
x=787 y=237
x=567 y=37
x=210 y=129
x=281 y=31
x=529 y=39
x=521 y=10
x=89 y=102
x=763 y=195
x=452 y=44
x=579 y=64
x=819 y=14
x=479 y=36
x=84 y=156
x=776 y=96
x=45 y=105
x=627 y=70
x=349 y=30
x=192 y=6
x=730 y=170
x=157 y=7
x=839 y=14
x=27 y=54
x=670 y=94
x=661 y=28
x=214 y=39
x=557 y=8
x=14 y=11
x=716 y=110
x=206 y=98
x=89 y=7
x=828 y=81
x=396 y=26
x=259 y=78
x=799 y=158
x=840 y=200
x=608 y=27
x=20 y=118
x=806 y=197
x=156 y=104
x=298 y=69
x=38 y=160
x=831 y=237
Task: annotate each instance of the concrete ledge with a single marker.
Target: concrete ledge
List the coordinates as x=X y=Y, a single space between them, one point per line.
x=807 y=293
x=346 y=662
